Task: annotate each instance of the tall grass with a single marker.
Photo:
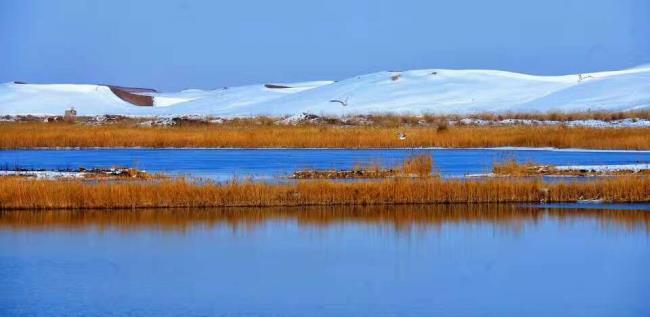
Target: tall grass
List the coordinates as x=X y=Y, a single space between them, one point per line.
x=514 y=168
x=37 y=194
x=34 y=135
x=419 y=165
x=414 y=166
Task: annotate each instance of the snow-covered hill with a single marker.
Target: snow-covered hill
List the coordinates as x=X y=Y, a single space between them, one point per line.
x=54 y=99
x=437 y=91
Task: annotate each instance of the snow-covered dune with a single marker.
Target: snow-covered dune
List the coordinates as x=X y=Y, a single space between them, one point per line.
x=230 y=101
x=24 y=99
x=613 y=93
x=436 y=91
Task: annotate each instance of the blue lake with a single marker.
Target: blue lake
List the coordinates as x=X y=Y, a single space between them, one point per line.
x=446 y=260
x=221 y=164
x=339 y=261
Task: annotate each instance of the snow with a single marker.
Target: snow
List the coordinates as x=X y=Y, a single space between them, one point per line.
x=63 y=174
x=437 y=91
x=623 y=123
x=620 y=92
x=44 y=174
x=298 y=118
x=606 y=168
x=162 y=101
x=24 y=99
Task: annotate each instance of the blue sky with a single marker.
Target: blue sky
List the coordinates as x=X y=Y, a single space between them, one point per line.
x=208 y=44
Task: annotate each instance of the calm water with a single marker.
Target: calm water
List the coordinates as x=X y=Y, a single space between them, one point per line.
x=380 y=261
x=264 y=164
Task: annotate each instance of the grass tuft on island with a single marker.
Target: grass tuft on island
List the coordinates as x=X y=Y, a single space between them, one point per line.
x=414 y=166
x=52 y=194
x=267 y=134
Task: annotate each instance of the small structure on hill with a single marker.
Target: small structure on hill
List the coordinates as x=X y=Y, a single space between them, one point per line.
x=70 y=115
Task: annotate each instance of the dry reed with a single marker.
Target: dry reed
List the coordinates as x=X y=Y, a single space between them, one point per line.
x=35 y=194
x=419 y=165
x=37 y=135
x=514 y=168
x=414 y=166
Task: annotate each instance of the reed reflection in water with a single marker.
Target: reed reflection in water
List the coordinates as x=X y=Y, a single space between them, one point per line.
x=400 y=218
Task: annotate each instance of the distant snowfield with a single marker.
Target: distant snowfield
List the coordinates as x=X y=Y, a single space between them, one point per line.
x=434 y=91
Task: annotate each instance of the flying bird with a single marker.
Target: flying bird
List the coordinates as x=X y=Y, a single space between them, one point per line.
x=344 y=103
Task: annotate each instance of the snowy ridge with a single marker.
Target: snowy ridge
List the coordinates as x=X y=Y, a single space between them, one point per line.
x=436 y=91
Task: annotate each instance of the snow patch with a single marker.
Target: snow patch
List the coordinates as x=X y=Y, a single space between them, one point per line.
x=606 y=168
x=44 y=174
x=623 y=123
x=160 y=101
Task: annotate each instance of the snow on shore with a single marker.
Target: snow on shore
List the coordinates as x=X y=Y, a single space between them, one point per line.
x=623 y=123
x=436 y=91
x=95 y=173
x=599 y=170
x=606 y=168
x=44 y=174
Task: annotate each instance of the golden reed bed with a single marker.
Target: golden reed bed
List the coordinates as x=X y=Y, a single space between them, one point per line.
x=35 y=135
x=39 y=194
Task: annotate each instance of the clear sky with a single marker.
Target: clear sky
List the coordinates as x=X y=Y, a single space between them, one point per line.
x=180 y=44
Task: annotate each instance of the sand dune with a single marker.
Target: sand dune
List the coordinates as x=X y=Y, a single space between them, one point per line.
x=437 y=91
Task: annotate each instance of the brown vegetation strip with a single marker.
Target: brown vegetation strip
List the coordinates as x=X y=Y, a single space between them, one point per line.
x=36 y=194
x=31 y=135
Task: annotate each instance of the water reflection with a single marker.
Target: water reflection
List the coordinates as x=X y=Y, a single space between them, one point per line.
x=449 y=260
x=397 y=218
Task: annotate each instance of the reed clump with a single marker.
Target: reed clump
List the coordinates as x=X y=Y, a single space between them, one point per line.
x=46 y=194
x=514 y=168
x=419 y=165
x=52 y=135
x=414 y=166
